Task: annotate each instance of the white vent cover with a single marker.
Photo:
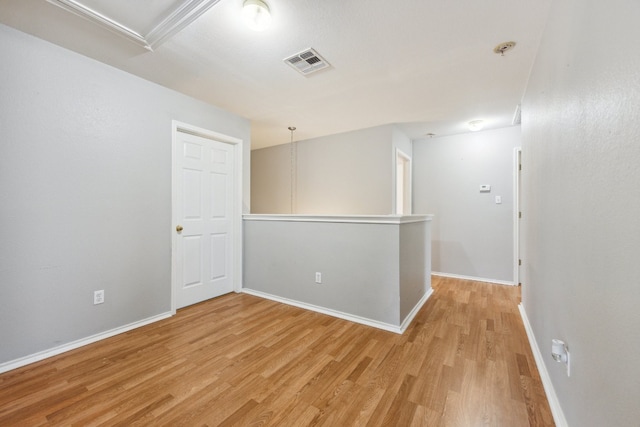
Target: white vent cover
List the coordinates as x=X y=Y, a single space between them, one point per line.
x=307 y=62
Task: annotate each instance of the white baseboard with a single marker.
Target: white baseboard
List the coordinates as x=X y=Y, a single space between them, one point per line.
x=407 y=320
x=341 y=315
x=36 y=357
x=477 y=279
x=552 y=397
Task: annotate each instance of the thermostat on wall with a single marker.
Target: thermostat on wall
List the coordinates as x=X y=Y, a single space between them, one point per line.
x=485 y=188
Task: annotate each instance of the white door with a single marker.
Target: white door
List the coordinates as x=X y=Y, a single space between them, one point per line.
x=204 y=209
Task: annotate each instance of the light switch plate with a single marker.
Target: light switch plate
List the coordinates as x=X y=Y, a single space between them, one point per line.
x=98 y=297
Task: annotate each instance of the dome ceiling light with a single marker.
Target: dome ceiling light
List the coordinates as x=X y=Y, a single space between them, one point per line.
x=256 y=14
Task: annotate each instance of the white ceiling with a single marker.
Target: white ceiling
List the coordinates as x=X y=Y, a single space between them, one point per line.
x=427 y=65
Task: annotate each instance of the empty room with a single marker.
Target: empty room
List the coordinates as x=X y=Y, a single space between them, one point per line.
x=337 y=213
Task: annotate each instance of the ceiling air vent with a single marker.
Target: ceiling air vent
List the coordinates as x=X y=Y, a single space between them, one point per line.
x=307 y=62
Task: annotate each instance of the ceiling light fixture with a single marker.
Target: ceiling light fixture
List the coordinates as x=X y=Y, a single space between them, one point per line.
x=256 y=14
x=475 y=125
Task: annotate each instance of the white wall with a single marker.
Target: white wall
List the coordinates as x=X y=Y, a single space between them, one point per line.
x=347 y=173
x=85 y=190
x=581 y=207
x=472 y=235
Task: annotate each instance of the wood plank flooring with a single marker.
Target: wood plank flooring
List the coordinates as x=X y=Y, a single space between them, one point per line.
x=239 y=360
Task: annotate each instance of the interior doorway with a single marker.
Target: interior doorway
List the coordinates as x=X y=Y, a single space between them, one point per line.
x=403 y=184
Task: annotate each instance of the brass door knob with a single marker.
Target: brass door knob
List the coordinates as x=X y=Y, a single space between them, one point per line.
x=179 y=228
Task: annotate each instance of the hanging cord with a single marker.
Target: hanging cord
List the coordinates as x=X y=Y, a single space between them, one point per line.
x=292 y=167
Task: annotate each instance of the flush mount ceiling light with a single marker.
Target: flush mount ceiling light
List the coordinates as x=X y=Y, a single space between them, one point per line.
x=256 y=14
x=475 y=125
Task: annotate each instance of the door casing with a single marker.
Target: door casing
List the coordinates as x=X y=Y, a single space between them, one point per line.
x=402 y=184
x=517 y=161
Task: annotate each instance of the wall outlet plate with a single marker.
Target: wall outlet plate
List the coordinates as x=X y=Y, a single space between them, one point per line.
x=98 y=297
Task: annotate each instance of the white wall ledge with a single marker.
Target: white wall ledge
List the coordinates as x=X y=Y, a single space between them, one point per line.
x=358 y=219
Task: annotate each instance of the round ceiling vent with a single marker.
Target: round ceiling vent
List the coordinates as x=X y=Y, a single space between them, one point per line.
x=503 y=47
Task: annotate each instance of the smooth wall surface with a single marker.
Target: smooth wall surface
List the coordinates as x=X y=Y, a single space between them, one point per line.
x=581 y=212
x=377 y=271
x=415 y=264
x=85 y=193
x=281 y=259
x=350 y=173
x=472 y=235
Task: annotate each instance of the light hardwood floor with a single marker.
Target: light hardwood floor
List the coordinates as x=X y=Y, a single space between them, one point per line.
x=239 y=360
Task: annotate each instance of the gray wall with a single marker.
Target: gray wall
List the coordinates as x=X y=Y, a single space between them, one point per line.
x=85 y=193
x=349 y=173
x=281 y=261
x=581 y=207
x=472 y=235
x=375 y=271
x=415 y=264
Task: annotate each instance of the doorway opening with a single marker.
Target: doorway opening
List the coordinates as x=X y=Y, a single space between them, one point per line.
x=403 y=184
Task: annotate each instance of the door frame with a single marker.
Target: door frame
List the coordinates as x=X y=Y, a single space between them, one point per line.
x=236 y=217
x=517 y=170
x=407 y=180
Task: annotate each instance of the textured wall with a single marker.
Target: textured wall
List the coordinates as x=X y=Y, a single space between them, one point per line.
x=472 y=235
x=85 y=191
x=581 y=204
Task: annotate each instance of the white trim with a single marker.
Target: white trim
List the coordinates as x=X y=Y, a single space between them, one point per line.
x=36 y=357
x=407 y=320
x=342 y=315
x=179 y=18
x=552 y=397
x=359 y=219
x=237 y=143
x=476 y=279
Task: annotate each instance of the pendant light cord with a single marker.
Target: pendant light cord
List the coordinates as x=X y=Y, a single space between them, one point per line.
x=292 y=169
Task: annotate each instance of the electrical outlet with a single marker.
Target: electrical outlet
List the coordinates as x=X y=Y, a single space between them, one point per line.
x=318 y=277
x=98 y=297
